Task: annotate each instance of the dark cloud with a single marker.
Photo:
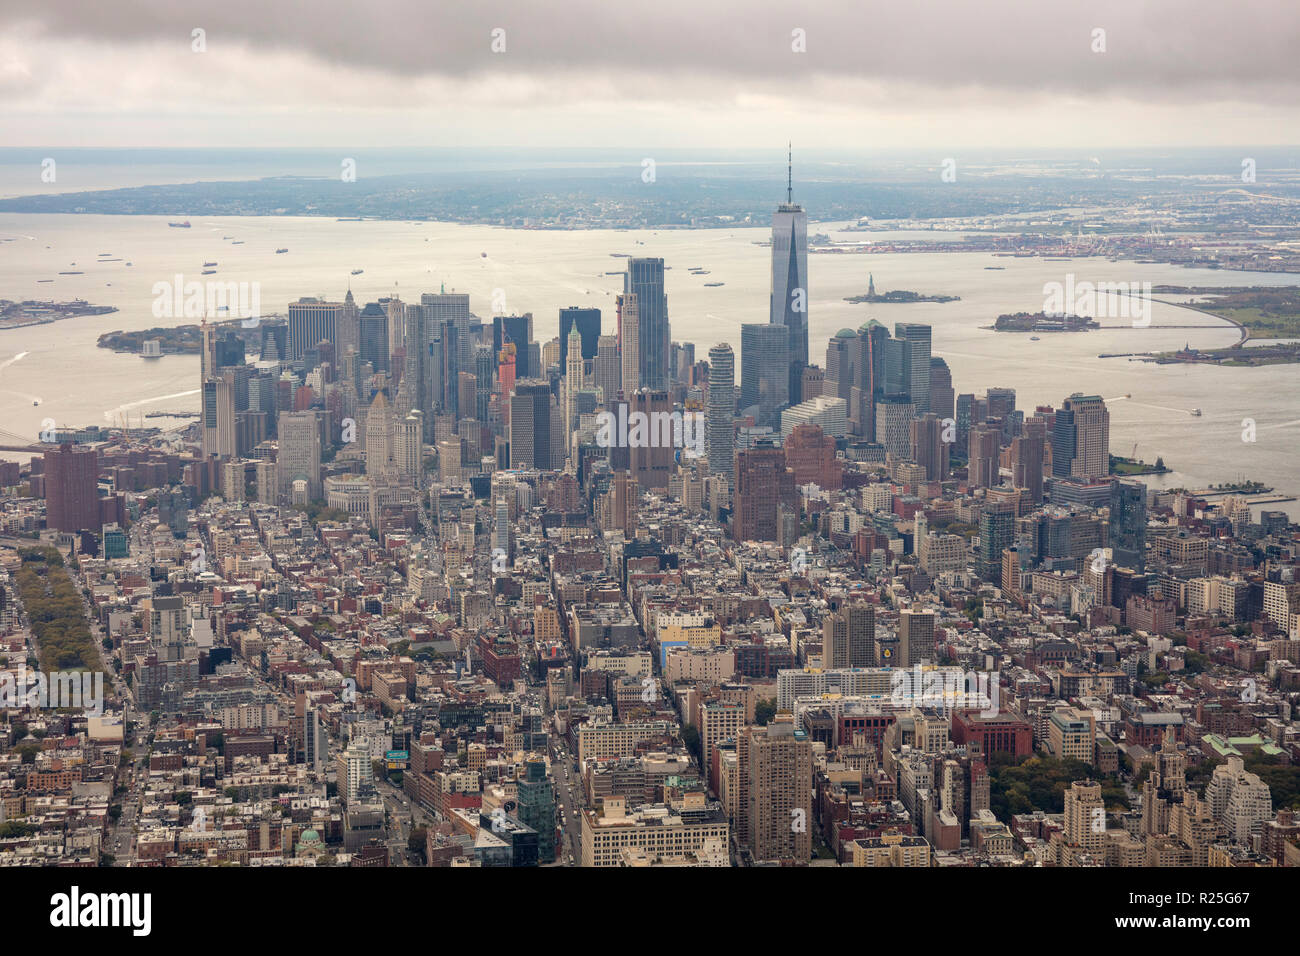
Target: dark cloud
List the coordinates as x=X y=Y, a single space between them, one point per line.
x=1157 y=50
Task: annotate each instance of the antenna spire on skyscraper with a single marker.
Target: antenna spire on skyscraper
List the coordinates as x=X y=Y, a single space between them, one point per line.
x=789 y=173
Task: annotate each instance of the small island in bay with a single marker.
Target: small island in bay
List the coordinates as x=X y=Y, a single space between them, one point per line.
x=1042 y=322
x=180 y=339
x=1234 y=356
x=897 y=297
x=18 y=315
x=1120 y=465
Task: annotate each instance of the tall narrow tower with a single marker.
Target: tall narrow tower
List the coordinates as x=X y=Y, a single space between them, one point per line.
x=629 y=332
x=572 y=385
x=789 y=302
x=722 y=411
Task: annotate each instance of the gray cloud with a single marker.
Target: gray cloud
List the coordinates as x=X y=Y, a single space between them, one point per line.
x=1156 y=50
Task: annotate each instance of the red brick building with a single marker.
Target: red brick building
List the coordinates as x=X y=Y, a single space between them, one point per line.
x=1001 y=734
x=810 y=454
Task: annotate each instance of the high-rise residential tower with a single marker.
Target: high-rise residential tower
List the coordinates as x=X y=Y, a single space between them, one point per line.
x=1128 y=524
x=72 y=488
x=629 y=337
x=722 y=411
x=776 y=761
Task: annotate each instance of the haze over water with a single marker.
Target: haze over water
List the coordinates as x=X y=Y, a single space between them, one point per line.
x=544 y=271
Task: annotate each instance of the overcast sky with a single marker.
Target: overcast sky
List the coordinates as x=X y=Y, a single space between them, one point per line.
x=941 y=74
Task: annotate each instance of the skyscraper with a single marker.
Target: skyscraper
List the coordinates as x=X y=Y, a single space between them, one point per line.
x=652 y=460
x=810 y=454
x=1083 y=807
x=1027 y=452
x=841 y=365
x=982 y=462
x=374 y=336
x=537 y=806
x=506 y=376
x=530 y=425
x=870 y=377
x=629 y=338
x=1091 y=435
x=763 y=485
x=1063 y=443
x=605 y=368
x=1001 y=403
x=849 y=636
x=789 y=301
x=776 y=761
x=764 y=372
x=396 y=310
x=514 y=328
x=207 y=350
x=413 y=391
x=722 y=411
x=942 y=396
x=447 y=322
x=72 y=488
x=299 y=454
x=928 y=447
x=209 y=417
x=645 y=279
x=311 y=322
x=915 y=637
x=227 y=437
x=379 y=439
x=572 y=378
x=587 y=322
x=916 y=359
x=894 y=414
x=1128 y=524
x=997 y=532
x=484 y=373
x=347 y=333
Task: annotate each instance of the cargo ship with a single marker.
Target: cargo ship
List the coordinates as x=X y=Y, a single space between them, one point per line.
x=180 y=225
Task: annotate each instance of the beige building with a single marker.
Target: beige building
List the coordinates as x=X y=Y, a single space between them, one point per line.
x=1071 y=734
x=600 y=740
x=891 y=849
x=776 y=764
x=1085 y=819
x=719 y=721
x=668 y=833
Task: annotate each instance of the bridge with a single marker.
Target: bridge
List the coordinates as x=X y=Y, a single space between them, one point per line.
x=10 y=441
